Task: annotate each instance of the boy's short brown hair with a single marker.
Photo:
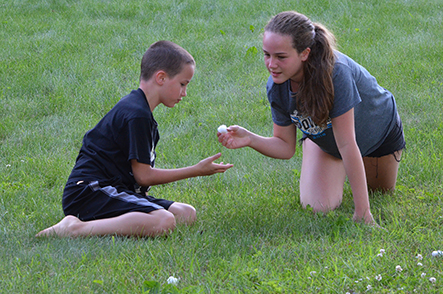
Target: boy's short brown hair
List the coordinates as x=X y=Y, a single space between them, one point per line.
x=166 y=56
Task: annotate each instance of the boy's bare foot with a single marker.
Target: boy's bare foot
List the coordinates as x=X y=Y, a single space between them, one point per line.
x=67 y=227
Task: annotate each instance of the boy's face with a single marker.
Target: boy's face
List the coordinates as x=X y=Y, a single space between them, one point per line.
x=175 y=88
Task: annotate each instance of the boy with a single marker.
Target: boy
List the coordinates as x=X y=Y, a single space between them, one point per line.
x=106 y=191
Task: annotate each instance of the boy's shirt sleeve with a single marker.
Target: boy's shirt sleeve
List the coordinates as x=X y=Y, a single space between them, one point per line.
x=138 y=141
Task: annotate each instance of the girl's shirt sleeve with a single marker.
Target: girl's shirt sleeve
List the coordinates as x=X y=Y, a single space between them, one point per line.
x=346 y=95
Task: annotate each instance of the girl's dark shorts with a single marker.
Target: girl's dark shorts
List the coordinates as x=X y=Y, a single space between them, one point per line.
x=395 y=141
x=106 y=199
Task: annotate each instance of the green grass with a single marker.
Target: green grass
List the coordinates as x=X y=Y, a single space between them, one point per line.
x=64 y=64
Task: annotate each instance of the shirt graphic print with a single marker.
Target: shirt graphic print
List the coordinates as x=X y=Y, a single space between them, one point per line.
x=307 y=125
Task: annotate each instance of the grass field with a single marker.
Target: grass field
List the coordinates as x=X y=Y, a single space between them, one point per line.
x=65 y=63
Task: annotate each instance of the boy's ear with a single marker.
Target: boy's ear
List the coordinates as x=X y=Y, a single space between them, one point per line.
x=160 y=77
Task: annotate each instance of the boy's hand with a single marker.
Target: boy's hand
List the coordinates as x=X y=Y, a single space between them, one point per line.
x=236 y=137
x=208 y=167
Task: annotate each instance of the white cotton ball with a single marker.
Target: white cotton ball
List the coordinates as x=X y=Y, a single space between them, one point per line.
x=222 y=129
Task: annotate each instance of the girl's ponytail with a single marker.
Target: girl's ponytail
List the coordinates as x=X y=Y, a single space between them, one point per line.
x=317 y=94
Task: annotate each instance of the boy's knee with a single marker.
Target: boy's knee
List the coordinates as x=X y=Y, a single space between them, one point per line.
x=184 y=213
x=191 y=213
x=161 y=221
x=167 y=222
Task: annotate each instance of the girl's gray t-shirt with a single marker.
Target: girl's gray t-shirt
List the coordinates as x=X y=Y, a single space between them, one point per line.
x=354 y=87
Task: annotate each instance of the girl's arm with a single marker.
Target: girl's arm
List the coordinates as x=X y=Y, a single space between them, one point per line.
x=344 y=133
x=281 y=145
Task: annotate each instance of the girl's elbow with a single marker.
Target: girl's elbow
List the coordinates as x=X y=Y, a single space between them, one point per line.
x=288 y=155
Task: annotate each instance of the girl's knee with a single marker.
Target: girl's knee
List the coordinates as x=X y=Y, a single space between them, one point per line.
x=384 y=189
x=321 y=204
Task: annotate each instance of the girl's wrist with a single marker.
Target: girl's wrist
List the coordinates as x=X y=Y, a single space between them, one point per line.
x=365 y=216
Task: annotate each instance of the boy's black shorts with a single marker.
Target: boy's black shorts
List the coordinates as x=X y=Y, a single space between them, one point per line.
x=106 y=199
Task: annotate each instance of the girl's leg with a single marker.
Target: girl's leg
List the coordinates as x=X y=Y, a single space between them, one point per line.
x=381 y=172
x=184 y=213
x=322 y=178
x=156 y=223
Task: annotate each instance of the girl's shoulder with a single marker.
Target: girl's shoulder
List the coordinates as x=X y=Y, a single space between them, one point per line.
x=343 y=61
x=346 y=67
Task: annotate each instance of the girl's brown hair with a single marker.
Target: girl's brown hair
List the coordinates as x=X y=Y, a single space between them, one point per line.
x=316 y=93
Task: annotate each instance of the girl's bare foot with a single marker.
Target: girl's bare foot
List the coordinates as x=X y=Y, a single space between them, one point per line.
x=67 y=227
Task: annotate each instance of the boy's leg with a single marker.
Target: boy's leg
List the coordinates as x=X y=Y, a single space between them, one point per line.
x=184 y=213
x=381 y=172
x=322 y=178
x=156 y=223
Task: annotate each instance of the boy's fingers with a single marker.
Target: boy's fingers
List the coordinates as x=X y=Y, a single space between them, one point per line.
x=216 y=156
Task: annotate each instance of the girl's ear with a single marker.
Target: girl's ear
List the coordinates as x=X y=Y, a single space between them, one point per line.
x=305 y=54
x=160 y=77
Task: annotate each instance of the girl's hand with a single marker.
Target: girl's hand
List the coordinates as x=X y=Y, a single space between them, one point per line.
x=236 y=137
x=367 y=219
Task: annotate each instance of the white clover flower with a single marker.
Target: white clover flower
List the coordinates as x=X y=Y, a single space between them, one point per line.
x=419 y=257
x=432 y=280
x=347 y=293
x=312 y=273
x=420 y=264
x=369 y=287
x=437 y=253
x=356 y=281
x=172 y=280
x=378 y=277
x=382 y=251
x=423 y=275
x=398 y=268
x=8 y=165
x=380 y=255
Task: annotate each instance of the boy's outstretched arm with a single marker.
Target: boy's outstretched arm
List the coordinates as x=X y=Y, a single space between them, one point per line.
x=145 y=175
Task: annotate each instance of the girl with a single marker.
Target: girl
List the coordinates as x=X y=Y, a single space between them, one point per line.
x=350 y=124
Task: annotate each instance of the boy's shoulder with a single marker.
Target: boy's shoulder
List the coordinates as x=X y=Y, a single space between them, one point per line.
x=136 y=97
x=133 y=104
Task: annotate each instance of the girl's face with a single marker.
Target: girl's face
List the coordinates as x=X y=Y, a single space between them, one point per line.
x=281 y=59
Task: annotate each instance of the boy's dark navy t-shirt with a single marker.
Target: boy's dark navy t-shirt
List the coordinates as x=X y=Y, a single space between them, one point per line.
x=128 y=131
